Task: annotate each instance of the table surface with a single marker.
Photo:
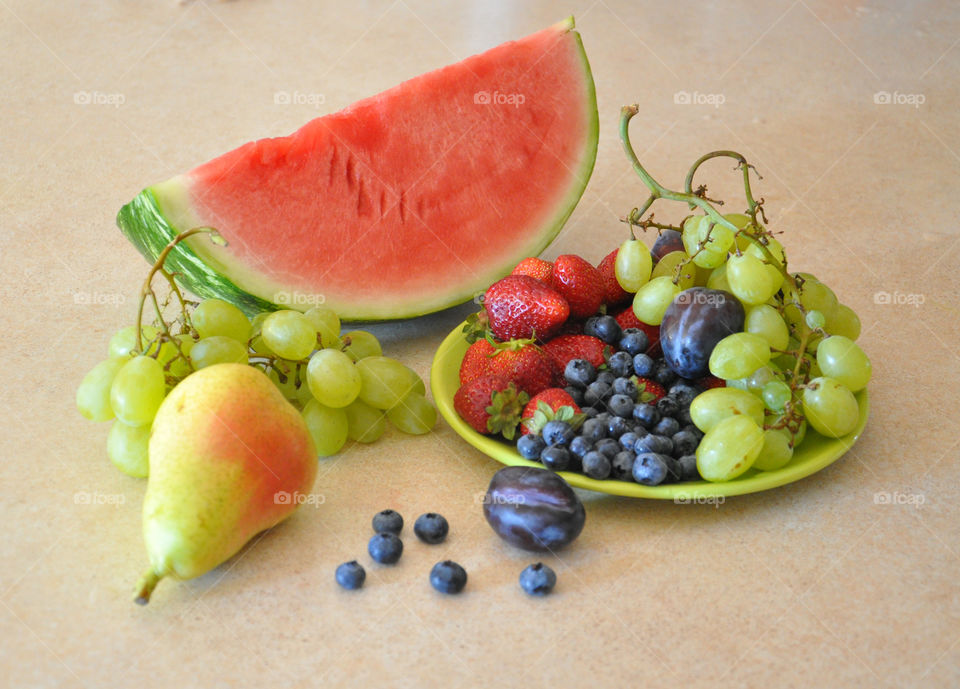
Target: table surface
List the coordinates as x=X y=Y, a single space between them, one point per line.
x=847 y=578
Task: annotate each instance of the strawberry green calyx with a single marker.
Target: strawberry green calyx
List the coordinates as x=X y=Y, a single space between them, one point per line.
x=505 y=409
x=510 y=345
x=476 y=327
x=545 y=413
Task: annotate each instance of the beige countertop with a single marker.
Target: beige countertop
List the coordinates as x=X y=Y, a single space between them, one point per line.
x=816 y=584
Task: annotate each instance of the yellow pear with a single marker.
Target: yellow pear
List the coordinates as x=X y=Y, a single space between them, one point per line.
x=229 y=457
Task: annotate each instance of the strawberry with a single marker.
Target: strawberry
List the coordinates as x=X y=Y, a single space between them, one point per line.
x=519 y=306
x=628 y=319
x=580 y=284
x=613 y=293
x=476 y=361
x=549 y=405
x=521 y=361
x=709 y=382
x=567 y=347
x=536 y=268
x=491 y=404
x=649 y=391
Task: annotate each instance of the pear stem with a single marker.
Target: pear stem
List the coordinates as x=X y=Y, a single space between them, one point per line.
x=145 y=586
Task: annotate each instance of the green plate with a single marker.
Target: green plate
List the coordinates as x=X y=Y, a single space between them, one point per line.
x=811 y=456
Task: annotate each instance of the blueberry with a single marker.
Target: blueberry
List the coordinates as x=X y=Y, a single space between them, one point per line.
x=633 y=341
x=448 y=577
x=617 y=426
x=683 y=416
x=530 y=446
x=590 y=326
x=596 y=465
x=690 y=428
x=643 y=365
x=589 y=412
x=667 y=406
x=385 y=548
x=555 y=458
x=684 y=443
x=656 y=444
x=607 y=377
x=594 y=429
x=663 y=374
x=625 y=386
x=646 y=414
x=431 y=528
x=596 y=393
x=628 y=440
x=576 y=394
x=649 y=469
x=388 y=521
x=351 y=575
x=579 y=372
x=673 y=468
x=538 y=579
x=604 y=327
x=608 y=447
x=667 y=426
x=557 y=433
x=604 y=416
x=621 y=405
x=622 y=465
x=683 y=391
x=580 y=446
x=688 y=468
x=620 y=363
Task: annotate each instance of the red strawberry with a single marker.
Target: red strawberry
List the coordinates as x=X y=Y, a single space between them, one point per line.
x=491 y=404
x=613 y=293
x=580 y=284
x=551 y=404
x=521 y=361
x=649 y=391
x=628 y=319
x=536 y=268
x=709 y=382
x=567 y=347
x=519 y=306
x=476 y=361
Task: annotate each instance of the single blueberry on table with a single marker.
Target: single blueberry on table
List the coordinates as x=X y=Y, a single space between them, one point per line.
x=555 y=458
x=431 y=528
x=538 y=579
x=385 y=548
x=351 y=575
x=530 y=446
x=448 y=577
x=579 y=373
x=557 y=433
x=388 y=521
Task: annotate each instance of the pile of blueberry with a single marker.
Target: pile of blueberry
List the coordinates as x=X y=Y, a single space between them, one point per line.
x=623 y=437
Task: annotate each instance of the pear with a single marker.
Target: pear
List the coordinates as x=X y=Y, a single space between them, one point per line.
x=229 y=457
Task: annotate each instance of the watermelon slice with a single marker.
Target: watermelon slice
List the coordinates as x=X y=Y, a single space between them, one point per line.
x=404 y=203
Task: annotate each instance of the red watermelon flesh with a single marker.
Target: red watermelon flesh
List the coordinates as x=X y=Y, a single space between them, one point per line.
x=401 y=204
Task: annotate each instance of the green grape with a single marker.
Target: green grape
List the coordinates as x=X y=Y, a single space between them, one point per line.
x=218 y=349
x=713 y=406
x=774 y=270
x=749 y=280
x=816 y=296
x=702 y=275
x=327 y=425
x=217 y=317
x=414 y=415
x=742 y=222
x=289 y=334
x=137 y=391
x=127 y=448
x=364 y=423
x=760 y=377
x=776 y=394
x=830 y=407
x=652 y=300
x=842 y=359
x=418 y=385
x=333 y=378
x=257 y=343
x=729 y=448
x=844 y=321
x=766 y=321
x=776 y=452
x=124 y=341
x=359 y=344
x=718 y=279
x=739 y=355
x=93 y=393
x=739 y=384
x=716 y=246
x=633 y=265
x=815 y=320
x=327 y=324
x=385 y=381
x=666 y=267
x=284 y=376
x=169 y=357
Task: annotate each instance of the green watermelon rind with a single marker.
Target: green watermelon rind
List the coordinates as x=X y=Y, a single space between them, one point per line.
x=144 y=223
